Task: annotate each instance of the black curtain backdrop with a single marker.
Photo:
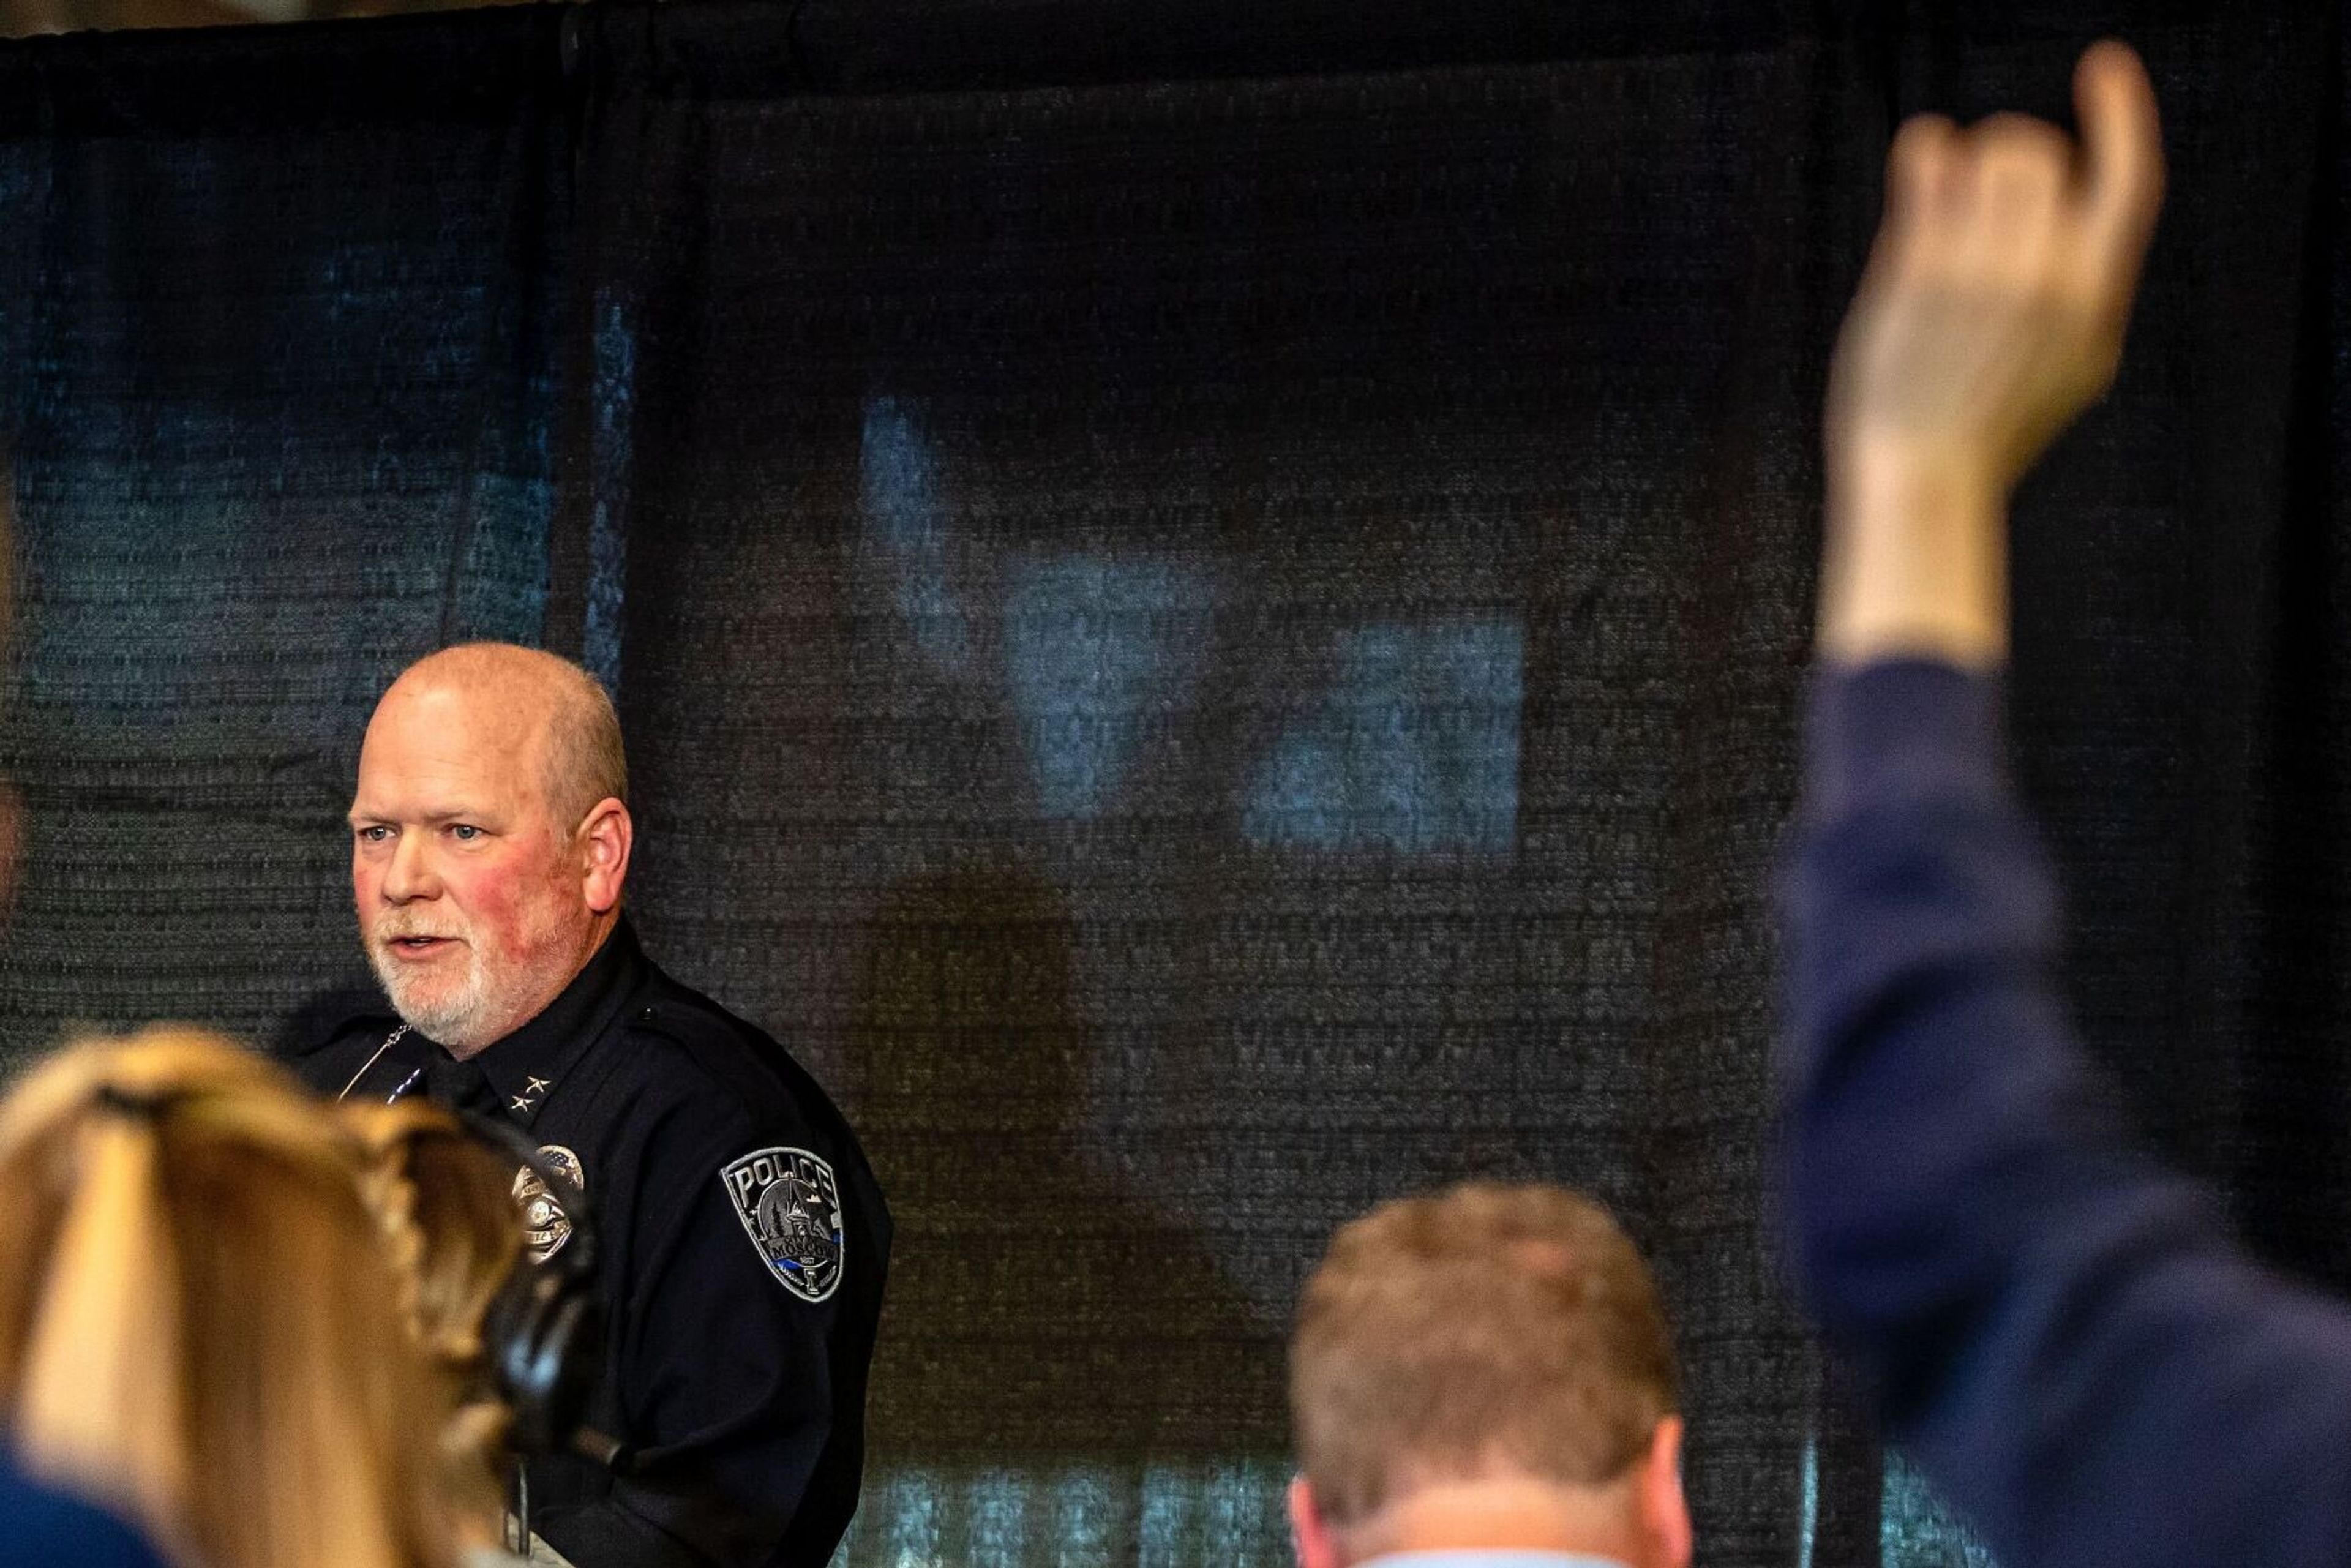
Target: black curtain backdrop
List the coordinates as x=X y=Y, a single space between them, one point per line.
x=1208 y=600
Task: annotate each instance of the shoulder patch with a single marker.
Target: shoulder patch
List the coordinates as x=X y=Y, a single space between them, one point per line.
x=790 y=1209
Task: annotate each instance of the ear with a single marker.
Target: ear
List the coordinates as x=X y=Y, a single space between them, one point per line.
x=606 y=836
x=1664 y=1516
x=1310 y=1534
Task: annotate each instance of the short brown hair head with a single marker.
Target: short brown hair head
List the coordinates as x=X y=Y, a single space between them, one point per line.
x=1487 y=1331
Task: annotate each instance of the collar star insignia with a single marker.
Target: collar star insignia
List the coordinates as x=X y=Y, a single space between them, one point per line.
x=524 y=1102
x=539 y=1086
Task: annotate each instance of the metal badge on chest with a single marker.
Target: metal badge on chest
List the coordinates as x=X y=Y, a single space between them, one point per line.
x=546 y=1224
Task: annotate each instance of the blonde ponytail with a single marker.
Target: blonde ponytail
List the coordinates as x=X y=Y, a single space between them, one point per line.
x=198 y=1320
x=101 y=1400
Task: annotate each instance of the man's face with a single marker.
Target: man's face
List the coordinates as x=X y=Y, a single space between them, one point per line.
x=469 y=891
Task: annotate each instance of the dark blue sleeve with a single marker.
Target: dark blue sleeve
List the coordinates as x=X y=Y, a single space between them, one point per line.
x=2062 y=1333
x=725 y=1380
x=40 y=1528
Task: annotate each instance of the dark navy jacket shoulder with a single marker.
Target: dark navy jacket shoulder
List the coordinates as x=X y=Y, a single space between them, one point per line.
x=2060 y=1331
x=738 y=1060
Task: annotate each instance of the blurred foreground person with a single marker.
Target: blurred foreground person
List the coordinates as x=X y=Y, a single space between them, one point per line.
x=2061 y=1333
x=198 y=1326
x=1486 y=1377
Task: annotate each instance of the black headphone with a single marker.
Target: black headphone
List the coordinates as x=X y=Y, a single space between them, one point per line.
x=543 y=1333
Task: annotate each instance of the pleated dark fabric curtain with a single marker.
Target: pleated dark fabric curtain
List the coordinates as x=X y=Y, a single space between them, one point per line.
x=1210 y=603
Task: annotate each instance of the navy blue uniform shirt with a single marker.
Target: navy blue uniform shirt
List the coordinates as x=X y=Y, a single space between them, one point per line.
x=743 y=1245
x=2061 y=1333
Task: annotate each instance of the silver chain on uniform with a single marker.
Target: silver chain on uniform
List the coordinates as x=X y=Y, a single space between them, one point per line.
x=405 y=1084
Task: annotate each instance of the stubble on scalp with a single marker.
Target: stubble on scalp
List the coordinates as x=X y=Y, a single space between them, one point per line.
x=563 y=711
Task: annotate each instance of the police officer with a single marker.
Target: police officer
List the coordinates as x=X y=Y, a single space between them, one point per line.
x=742 y=1240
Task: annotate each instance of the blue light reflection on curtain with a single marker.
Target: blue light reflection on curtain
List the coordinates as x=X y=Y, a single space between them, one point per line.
x=1176 y=1517
x=1094 y=650
x=1412 y=746
x=906 y=524
x=614 y=403
x=1918 y=1530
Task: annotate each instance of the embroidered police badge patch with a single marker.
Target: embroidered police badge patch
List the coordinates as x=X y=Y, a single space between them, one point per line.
x=546 y=1225
x=791 y=1210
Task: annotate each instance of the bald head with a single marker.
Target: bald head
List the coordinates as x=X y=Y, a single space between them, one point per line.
x=542 y=708
x=490 y=837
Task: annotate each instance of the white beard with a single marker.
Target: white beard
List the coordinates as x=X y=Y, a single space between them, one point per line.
x=453 y=1017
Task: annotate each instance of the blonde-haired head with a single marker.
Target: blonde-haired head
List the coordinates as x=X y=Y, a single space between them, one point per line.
x=197 y=1323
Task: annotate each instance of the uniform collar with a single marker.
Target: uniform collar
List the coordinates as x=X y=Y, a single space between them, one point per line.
x=534 y=1061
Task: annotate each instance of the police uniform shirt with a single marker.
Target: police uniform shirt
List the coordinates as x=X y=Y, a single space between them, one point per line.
x=743 y=1244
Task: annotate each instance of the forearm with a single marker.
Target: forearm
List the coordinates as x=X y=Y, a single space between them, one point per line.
x=734 y=1502
x=723 y=1502
x=1916 y=559
x=2062 y=1331
x=1936 y=1110
x=609 y=1534
x=606 y=1535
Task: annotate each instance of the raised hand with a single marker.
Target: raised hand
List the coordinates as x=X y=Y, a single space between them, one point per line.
x=1991 y=313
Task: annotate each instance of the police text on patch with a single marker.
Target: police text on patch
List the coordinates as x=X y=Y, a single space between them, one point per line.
x=790 y=1209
